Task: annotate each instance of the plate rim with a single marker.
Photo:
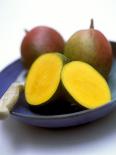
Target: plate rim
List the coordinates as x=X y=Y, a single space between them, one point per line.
x=62 y=116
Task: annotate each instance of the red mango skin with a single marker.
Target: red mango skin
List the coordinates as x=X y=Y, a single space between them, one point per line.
x=38 y=41
x=92 y=47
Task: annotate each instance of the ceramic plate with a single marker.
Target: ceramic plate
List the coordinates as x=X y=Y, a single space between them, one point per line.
x=64 y=115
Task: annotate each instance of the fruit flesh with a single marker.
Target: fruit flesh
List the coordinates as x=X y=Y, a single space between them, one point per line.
x=43 y=79
x=86 y=86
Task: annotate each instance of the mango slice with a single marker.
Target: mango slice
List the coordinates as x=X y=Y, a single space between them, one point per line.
x=85 y=85
x=43 y=78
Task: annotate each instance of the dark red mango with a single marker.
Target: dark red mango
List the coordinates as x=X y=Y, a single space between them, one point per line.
x=40 y=40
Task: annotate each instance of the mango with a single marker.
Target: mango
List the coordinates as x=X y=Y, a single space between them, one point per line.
x=43 y=79
x=84 y=86
x=92 y=47
x=40 y=40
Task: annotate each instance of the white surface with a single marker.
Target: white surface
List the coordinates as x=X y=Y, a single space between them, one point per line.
x=67 y=16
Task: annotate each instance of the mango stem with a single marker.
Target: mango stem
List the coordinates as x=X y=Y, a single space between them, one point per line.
x=92 y=24
x=26 y=31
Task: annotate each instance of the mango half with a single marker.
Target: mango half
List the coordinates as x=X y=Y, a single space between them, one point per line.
x=84 y=85
x=43 y=79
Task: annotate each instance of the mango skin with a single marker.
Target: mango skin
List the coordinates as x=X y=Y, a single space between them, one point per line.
x=92 y=47
x=40 y=40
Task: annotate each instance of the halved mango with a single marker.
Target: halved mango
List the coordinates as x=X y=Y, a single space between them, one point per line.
x=85 y=85
x=43 y=78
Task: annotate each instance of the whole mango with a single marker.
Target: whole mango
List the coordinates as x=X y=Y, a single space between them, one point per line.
x=40 y=40
x=92 y=47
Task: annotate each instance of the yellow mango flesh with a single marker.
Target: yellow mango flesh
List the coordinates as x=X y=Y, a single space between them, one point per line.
x=85 y=84
x=43 y=79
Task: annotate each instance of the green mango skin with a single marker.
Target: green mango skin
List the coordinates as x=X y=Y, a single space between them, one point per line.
x=92 y=47
x=40 y=40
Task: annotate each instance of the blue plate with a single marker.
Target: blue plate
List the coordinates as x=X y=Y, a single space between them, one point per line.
x=65 y=115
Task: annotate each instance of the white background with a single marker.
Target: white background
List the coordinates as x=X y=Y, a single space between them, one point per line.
x=66 y=16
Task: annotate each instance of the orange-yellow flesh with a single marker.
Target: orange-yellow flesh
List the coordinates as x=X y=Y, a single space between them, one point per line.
x=43 y=79
x=85 y=84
